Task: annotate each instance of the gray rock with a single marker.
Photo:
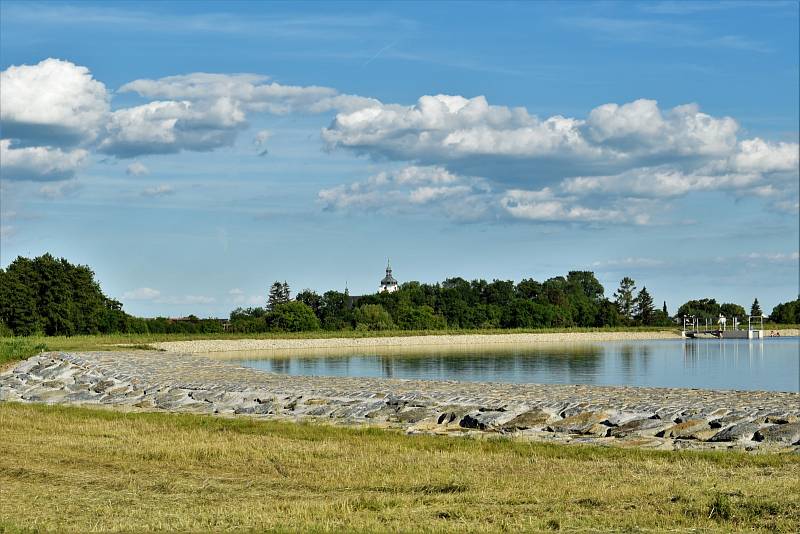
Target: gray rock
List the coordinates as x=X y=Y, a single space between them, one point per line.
x=262 y=408
x=47 y=395
x=687 y=429
x=641 y=428
x=358 y=410
x=531 y=419
x=788 y=434
x=412 y=414
x=622 y=417
x=26 y=366
x=583 y=423
x=739 y=432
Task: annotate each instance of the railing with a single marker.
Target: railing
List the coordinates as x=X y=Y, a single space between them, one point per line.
x=695 y=325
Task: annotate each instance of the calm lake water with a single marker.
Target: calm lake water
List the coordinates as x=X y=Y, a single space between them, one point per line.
x=771 y=364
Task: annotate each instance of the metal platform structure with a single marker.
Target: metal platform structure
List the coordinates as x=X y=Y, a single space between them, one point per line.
x=693 y=328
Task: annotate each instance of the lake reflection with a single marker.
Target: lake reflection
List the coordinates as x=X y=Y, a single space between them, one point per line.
x=771 y=364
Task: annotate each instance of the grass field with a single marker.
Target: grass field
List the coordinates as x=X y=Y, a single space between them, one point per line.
x=78 y=469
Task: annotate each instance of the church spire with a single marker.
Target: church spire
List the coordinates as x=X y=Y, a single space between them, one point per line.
x=388 y=283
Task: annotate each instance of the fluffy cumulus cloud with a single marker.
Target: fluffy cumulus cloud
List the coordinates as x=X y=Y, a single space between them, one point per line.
x=39 y=163
x=561 y=168
x=465 y=157
x=410 y=188
x=436 y=189
x=53 y=103
x=57 y=108
x=202 y=111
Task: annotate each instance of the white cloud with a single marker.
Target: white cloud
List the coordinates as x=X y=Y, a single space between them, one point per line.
x=198 y=299
x=39 y=163
x=57 y=103
x=540 y=170
x=545 y=206
x=757 y=155
x=788 y=206
x=52 y=103
x=165 y=127
x=154 y=295
x=469 y=198
x=59 y=189
x=142 y=293
x=137 y=168
x=629 y=262
x=239 y=297
x=640 y=129
x=411 y=187
x=202 y=111
x=158 y=191
x=261 y=137
x=251 y=91
x=185 y=300
x=658 y=182
x=775 y=257
x=260 y=141
x=455 y=131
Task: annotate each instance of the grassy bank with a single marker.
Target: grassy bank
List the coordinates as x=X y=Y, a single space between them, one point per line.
x=104 y=470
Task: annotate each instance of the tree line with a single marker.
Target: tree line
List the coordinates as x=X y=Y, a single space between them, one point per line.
x=50 y=296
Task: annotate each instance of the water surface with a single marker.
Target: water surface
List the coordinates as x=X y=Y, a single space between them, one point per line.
x=772 y=364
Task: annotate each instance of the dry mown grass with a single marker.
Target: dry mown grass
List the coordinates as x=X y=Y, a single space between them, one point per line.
x=75 y=469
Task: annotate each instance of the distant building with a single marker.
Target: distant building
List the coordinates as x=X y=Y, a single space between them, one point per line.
x=388 y=284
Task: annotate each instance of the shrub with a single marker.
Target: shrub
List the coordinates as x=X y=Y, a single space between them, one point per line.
x=373 y=317
x=292 y=317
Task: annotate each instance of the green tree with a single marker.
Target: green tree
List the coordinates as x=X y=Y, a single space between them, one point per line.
x=588 y=284
x=419 y=318
x=278 y=294
x=54 y=297
x=730 y=310
x=373 y=317
x=624 y=299
x=645 y=310
x=703 y=309
x=291 y=317
x=755 y=309
x=310 y=299
x=786 y=312
x=664 y=309
x=336 y=311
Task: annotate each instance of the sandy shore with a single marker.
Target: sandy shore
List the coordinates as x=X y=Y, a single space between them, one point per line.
x=466 y=340
x=208 y=345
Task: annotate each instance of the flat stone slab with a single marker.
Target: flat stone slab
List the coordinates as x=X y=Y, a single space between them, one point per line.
x=624 y=416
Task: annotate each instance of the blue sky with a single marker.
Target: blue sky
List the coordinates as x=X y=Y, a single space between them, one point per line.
x=192 y=153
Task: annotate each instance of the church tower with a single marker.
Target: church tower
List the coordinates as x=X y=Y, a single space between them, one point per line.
x=388 y=284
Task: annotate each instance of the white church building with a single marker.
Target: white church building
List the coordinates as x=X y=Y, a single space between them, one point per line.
x=388 y=284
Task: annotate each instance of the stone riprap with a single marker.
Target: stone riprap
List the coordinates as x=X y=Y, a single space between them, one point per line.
x=626 y=416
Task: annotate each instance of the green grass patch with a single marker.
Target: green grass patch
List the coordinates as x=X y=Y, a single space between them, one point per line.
x=108 y=470
x=13 y=349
